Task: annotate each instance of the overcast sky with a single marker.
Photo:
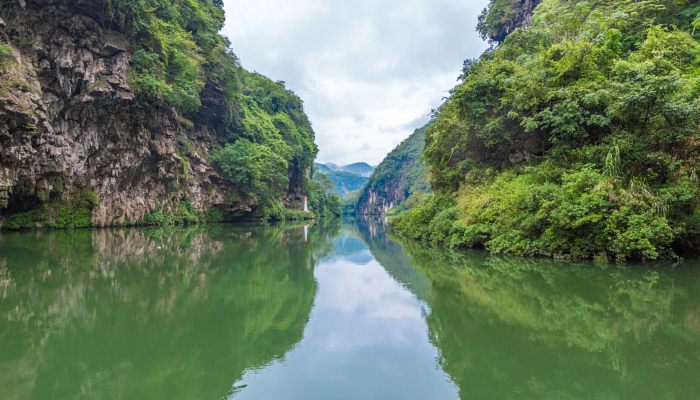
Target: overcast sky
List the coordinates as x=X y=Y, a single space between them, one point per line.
x=369 y=71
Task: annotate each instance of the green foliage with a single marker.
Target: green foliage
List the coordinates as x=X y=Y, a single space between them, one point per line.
x=601 y=101
x=548 y=211
x=401 y=175
x=74 y=213
x=6 y=56
x=174 y=40
x=349 y=203
x=274 y=115
x=344 y=182
x=254 y=168
x=274 y=135
x=323 y=200
x=502 y=17
x=179 y=58
x=186 y=214
x=260 y=173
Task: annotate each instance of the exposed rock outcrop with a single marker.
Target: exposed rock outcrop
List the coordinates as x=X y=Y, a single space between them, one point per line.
x=71 y=124
x=399 y=176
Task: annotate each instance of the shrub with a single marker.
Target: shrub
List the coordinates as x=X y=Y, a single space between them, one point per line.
x=579 y=214
x=74 y=213
x=575 y=137
x=254 y=168
x=6 y=57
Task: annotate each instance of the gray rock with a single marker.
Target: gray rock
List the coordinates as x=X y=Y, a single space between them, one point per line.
x=71 y=124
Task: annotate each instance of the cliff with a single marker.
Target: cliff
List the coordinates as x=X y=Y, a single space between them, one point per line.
x=503 y=17
x=109 y=114
x=399 y=176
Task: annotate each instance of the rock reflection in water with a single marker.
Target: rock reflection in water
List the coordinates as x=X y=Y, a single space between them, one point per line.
x=158 y=313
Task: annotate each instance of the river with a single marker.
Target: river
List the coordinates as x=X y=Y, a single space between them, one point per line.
x=332 y=311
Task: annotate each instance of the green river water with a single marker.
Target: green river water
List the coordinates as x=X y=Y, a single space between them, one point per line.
x=332 y=311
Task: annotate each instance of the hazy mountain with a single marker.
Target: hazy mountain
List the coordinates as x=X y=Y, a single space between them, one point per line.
x=360 y=168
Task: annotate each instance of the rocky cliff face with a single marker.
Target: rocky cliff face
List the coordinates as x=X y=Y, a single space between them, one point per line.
x=398 y=177
x=503 y=17
x=71 y=127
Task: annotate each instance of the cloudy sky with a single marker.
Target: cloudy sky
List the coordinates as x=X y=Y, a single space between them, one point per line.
x=369 y=71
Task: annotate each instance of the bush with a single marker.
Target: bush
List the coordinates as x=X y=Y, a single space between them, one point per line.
x=575 y=137
x=255 y=169
x=539 y=212
x=75 y=213
x=6 y=57
x=185 y=214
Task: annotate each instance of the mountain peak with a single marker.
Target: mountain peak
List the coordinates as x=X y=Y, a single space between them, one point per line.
x=359 y=168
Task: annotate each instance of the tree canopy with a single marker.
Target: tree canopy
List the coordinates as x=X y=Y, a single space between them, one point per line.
x=577 y=136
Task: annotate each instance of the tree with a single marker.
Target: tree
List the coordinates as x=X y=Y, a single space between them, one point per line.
x=257 y=170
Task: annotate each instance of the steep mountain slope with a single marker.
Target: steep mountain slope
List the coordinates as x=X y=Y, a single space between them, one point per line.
x=345 y=178
x=119 y=112
x=578 y=136
x=399 y=176
x=346 y=182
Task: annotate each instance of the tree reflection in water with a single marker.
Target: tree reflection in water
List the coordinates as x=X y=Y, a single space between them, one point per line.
x=160 y=313
x=532 y=329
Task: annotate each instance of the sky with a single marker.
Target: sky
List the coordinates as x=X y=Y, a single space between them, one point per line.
x=369 y=71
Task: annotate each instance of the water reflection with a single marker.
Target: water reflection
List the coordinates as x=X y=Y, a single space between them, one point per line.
x=121 y=314
x=513 y=328
x=325 y=312
x=366 y=338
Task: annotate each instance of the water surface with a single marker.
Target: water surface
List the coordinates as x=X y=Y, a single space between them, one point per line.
x=332 y=312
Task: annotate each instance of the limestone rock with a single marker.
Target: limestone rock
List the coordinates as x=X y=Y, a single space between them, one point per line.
x=70 y=123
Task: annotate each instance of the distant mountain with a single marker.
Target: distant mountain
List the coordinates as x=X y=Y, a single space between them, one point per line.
x=359 y=168
x=401 y=175
x=345 y=178
x=344 y=182
x=324 y=169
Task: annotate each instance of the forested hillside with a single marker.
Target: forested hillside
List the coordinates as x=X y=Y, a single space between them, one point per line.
x=401 y=175
x=120 y=112
x=576 y=136
x=343 y=181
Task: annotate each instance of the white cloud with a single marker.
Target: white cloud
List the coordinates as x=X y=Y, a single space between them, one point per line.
x=369 y=71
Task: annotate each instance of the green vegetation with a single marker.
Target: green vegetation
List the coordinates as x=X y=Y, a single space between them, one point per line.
x=261 y=277
x=185 y=214
x=342 y=185
x=6 y=56
x=586 y=332
x=179 y=55
x=343 y=182
x=272 y=147
x=577 y=137
x=74 y=213
x=179 y=60
x=502 y=17
x=400 y=176
x=255 y=169
x=350 y=203
x=178 y=47
x=323 y=200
